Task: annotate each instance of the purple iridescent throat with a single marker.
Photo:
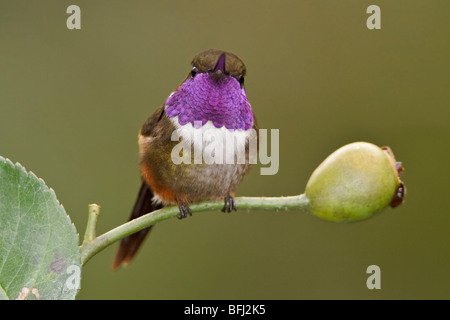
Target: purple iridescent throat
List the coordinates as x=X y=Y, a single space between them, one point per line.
x=203 y=98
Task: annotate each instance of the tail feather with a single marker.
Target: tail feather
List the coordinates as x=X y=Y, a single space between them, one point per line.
x=130 y=244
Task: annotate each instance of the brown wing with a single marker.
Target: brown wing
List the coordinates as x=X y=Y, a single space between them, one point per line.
x=148 y=129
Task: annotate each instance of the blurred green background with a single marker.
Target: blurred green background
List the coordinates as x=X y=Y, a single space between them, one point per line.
x=72 y=102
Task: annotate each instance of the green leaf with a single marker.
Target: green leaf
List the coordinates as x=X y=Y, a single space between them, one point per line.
x=39 y=245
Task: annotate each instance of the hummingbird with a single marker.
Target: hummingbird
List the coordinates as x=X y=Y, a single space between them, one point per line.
x=211 y=97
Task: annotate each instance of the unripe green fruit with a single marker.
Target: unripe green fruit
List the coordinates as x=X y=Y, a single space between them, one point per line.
x=355 y=182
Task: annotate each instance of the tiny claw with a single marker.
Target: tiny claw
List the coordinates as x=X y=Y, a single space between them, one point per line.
x=184 y=211
x=230 y=205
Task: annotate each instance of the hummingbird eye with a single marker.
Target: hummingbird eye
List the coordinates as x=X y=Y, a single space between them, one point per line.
x=193 y=72
x=241 y=80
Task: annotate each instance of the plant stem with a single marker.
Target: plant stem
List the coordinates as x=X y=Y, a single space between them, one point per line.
x=91 y=247
x=94 y=211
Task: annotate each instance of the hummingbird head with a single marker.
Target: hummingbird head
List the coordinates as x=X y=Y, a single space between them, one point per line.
x=213 y=91
x=218 y=65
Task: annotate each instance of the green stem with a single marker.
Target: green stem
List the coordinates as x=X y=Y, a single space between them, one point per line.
x=91 y=247
x=94 y=211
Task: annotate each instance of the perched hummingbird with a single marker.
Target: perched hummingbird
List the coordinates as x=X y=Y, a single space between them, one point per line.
x=211 y=97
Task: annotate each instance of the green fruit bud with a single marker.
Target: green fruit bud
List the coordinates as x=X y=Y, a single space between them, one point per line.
x=355 y=182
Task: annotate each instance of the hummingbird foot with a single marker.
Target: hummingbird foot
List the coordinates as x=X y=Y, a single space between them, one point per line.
x=184 y=210
x=230 y=205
